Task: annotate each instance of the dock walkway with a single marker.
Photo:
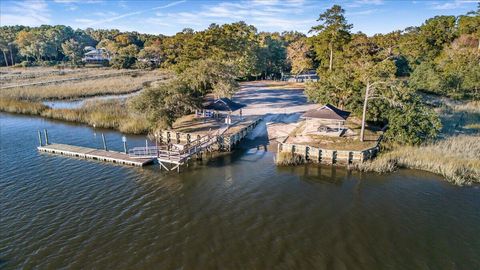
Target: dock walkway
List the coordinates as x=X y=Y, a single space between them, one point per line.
x=164 y=154
x=95 y=154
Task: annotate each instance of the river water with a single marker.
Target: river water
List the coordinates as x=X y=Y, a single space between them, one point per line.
x=234 y=211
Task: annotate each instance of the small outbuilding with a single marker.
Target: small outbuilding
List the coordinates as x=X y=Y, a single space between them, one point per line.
x=327 y=119
x=216 y=107
x=223 y=105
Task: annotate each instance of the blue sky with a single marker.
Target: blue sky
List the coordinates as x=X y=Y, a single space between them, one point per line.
x=170 y=16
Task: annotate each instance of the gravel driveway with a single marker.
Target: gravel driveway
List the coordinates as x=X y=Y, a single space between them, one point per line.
x=261 y=100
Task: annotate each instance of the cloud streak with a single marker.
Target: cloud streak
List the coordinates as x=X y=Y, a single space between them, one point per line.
x=451 y=4
x=129 y=14
x=31 y=13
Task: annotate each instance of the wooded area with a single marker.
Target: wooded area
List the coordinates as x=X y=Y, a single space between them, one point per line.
x=376 y=77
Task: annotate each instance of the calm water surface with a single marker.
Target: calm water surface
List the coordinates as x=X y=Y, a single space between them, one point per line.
x=235 y=211
x=73 y=104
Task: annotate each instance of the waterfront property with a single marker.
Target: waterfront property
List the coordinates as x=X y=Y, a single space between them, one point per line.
x=96 y=56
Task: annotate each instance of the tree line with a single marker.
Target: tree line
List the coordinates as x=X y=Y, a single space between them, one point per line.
x=256 y=54
x=377 y=77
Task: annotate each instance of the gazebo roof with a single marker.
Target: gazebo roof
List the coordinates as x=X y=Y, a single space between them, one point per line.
x=327 y=112
x=222 y=104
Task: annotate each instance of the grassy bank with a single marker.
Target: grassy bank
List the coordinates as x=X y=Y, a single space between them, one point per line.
x=456 y=155
x=456 y=158
x=85 y=88
x=112 y=114
x=12 y=77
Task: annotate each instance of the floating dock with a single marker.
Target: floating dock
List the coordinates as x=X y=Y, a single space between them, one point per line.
x=95 y=154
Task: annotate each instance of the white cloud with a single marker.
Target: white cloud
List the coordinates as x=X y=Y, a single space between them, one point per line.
x=31 y=13
x=362 y=12
x=270 y=15
x=451 y=4
x=362 y=3
x=78 y=1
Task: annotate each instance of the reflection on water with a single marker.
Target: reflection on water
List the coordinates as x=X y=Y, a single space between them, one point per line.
x=229 y=211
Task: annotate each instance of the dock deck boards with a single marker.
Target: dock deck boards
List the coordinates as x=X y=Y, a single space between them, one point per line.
x=96 y=154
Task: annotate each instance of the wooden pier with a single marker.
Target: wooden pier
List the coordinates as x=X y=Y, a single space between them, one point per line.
x=177 y=154
x=95 y=154
x=169 y=154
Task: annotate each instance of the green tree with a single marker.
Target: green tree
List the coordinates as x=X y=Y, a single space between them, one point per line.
x=299 y=56
x=166 y=102
x=73 y=50
x=426 y=78
x=208 y=75
x=411 y=122
x=332 y=34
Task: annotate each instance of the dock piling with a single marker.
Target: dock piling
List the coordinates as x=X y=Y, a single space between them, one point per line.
x=40 y=137
x=46 y=136
x=124 y=140
x=104 y=142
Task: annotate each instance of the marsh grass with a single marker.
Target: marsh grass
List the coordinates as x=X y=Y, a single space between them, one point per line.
x=121 y=84
x=289 y=159
x=456 y=158
x=112 y=114
x=38 y=75
x=22 y=107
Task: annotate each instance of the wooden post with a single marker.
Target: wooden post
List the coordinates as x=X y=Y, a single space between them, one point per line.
x=40 y=138
x=124 y=140
x=104 y=142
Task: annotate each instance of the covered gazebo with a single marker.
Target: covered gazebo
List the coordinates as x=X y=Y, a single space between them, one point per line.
x=327 y=118
x=217 y=107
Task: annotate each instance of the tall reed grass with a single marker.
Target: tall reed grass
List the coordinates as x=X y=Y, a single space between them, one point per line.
x=22 y=107
x=112 y=114
x=289 y=159
x=41 y=74
x=84 y=88
x=456 y=158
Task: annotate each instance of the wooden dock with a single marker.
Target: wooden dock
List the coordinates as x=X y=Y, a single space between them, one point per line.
x=95 y=154
x=169 y=155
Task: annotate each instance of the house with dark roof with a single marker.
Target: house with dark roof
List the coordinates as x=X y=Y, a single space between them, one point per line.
x=216 y=107
x=326 y=119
